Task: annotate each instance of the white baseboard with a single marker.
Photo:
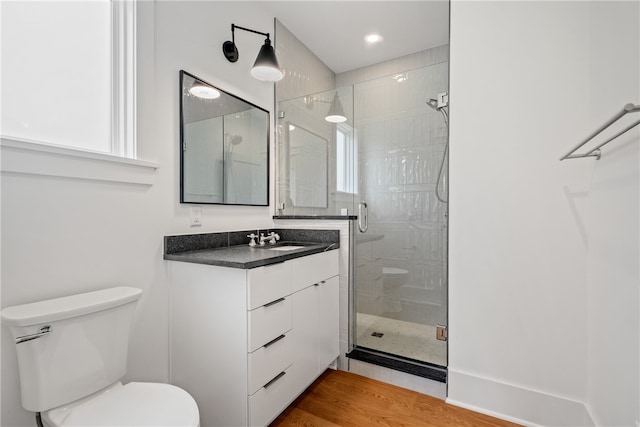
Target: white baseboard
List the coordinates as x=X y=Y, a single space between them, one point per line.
x=513 y=403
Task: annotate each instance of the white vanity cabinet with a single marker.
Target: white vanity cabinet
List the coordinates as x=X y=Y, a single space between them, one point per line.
x=246 y=343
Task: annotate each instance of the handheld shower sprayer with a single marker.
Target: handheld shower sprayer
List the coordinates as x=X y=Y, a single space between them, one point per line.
x=232 y=141
x=439 y=104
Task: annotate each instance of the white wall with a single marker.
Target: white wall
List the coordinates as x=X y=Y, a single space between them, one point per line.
x=537 y=245
x=613 y=395
x=64 y=235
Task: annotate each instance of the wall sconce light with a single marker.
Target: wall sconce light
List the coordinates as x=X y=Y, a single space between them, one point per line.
x=266 y=67
x=336 y=111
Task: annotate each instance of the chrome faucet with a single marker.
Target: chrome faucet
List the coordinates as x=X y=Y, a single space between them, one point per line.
x=271 y=237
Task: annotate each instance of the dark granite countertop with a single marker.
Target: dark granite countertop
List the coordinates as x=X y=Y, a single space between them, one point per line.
x=249 y=257
x=218 y=248
x=316 y=217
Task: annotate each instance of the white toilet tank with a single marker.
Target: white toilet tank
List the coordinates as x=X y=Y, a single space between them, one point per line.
x=84 y=350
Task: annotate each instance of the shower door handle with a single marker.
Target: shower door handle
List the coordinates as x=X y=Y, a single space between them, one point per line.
x=363 y=213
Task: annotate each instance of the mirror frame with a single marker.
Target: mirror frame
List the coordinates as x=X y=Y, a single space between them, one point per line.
x=181 y=145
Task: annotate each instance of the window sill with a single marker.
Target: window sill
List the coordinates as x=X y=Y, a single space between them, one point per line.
x=33 y=158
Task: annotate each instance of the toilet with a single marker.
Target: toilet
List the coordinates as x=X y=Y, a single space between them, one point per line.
x=72 y=355
x=393 y=279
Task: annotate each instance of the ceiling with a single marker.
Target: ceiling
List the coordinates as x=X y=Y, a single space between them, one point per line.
x=335 y=30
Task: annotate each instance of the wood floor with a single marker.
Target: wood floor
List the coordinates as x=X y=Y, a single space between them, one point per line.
x=341 y=398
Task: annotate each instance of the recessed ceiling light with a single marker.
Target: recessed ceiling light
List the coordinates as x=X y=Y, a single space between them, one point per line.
x=373 y=38
x=292 y=127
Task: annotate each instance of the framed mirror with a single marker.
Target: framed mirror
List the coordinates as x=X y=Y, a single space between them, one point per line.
x=224 y=146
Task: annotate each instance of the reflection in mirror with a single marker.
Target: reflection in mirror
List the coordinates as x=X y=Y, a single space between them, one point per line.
x=224 y=147
x=307 y=168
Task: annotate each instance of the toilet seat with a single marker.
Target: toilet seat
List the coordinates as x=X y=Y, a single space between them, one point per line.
x=133 y=404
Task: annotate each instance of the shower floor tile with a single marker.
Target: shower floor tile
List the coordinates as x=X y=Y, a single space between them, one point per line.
x=407 y=339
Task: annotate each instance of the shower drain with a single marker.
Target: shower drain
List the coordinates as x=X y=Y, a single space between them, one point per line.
x=377 y=334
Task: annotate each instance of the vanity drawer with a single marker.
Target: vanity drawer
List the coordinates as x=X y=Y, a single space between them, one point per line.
x=313 y=269
x=268 y=402
x=269 y=322
x=269 y=360
x=268 y=283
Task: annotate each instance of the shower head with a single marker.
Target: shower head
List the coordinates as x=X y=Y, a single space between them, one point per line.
x=439 y=105
x=433 y=103
x=233 y=139
x=441 y=101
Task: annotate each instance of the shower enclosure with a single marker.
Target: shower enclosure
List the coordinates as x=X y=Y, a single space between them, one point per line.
x=381 y=165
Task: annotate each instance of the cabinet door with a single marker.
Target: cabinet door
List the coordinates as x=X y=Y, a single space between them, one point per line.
x=328 y=330
x=305 y=321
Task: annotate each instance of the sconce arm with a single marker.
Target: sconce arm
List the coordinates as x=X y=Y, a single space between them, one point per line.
x=234 y=26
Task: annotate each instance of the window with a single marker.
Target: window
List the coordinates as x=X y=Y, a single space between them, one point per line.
x=68 y=74
x=346 y=159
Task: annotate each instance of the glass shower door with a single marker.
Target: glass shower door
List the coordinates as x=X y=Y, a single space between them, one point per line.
x=388 y=154
x=400 y=261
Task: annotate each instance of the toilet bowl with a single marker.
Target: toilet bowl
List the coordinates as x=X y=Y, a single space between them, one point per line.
x=72 y=355
x=393 y=279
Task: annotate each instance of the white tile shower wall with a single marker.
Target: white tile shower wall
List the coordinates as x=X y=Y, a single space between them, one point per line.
x=401 y=147
x=304 y=72
x=405 y=63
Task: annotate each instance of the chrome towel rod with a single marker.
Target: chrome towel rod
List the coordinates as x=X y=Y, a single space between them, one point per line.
x=595 y=152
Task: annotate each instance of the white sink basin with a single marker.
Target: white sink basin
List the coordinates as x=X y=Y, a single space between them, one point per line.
x=285 y=248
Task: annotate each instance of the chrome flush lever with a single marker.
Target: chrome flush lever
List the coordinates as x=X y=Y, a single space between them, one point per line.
x=45 y=330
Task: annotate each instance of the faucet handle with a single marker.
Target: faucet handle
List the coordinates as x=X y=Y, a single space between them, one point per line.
x=272 y=237
x=253 y=239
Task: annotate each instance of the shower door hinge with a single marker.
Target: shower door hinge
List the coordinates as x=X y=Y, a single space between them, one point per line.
x=441 y=332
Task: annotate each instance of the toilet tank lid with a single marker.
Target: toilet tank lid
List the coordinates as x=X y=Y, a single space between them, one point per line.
x=67 y=307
